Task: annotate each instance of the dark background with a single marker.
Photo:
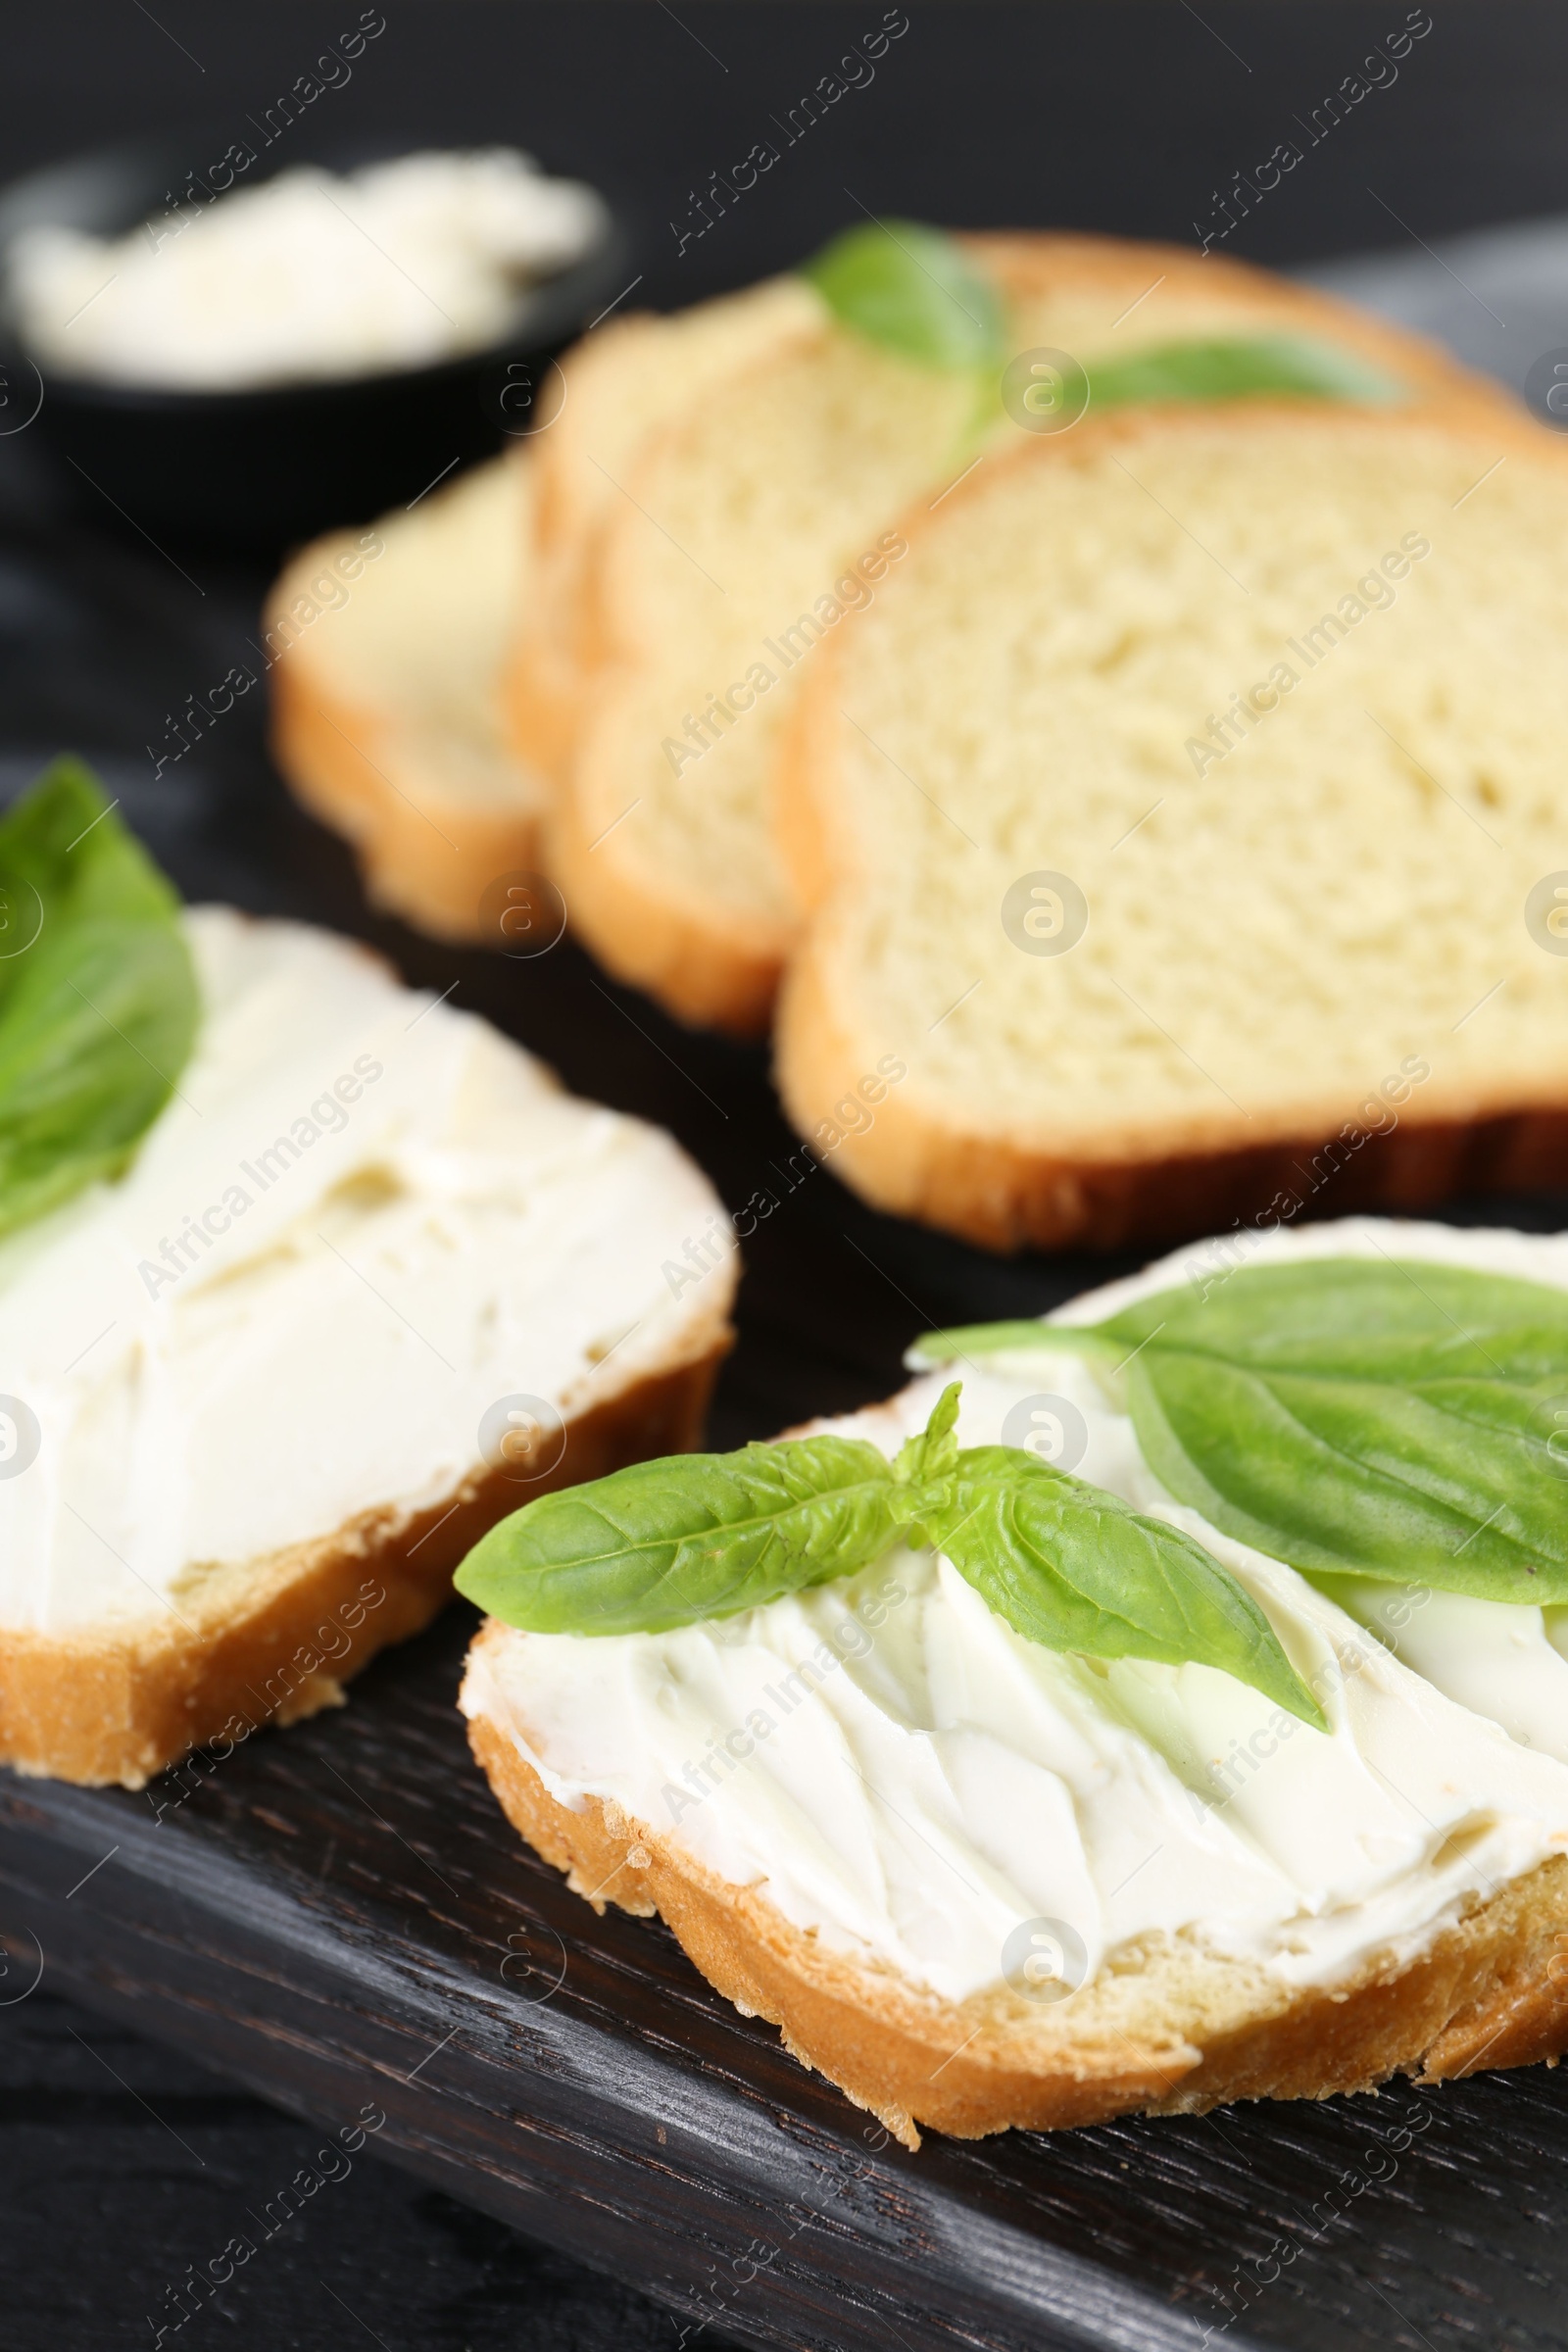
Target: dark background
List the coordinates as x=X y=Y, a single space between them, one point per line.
x=1120 y=116
x=118 y=2161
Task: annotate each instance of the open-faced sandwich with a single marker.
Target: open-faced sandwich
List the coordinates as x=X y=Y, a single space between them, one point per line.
x=1159 y=1704
x=306 y=1278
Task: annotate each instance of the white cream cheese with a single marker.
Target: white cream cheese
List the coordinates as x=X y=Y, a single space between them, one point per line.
x=910 y=1781
x=305 y=275
x=364 y=1220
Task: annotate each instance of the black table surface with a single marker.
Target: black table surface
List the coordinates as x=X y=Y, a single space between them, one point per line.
x=120 y=2161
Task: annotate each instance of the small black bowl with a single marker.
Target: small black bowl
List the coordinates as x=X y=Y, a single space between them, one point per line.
x=265 y=469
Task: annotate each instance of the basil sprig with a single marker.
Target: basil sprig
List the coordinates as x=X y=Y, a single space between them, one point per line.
x=98 y=998
x=916 y=292
x=1397 y=1420
x=699 y=1536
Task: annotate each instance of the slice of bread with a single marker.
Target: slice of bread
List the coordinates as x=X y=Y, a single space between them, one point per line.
x=747 y=523
x=618 y=388
x=1151 y=957
x=410 y=1282
x=979 y=1883
x=388 y=652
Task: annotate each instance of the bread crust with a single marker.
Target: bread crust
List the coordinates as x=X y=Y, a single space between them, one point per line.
x=274 y=1641
x=706 y=962
x=1490 y=1990
x=1008 y=1196
x=433 y=874
x=541 y=703
x=542 y=686
x=1007 y=1190
x=546 y=686
x=701 y=961
x=339 y=757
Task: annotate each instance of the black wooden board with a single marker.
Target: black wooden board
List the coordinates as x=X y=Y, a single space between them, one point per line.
x=336 y=1916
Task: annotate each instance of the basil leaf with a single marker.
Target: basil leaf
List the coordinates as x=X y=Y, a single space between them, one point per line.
x=699 y=1535
x=913 y=290
x=1073 y=1568
x=933 y=1453
x=1403 y=1421
x=666 y=1543
x=1239 y=366
x=98 y=997
x=980 y=1340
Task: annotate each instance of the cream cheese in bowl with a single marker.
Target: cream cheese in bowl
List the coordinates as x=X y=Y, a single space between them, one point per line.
x=310 y=275
x=255 y=360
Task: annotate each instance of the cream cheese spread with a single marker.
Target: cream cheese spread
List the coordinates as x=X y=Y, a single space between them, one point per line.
x=365 y=1221
x=911 y=1782
x=305 y=275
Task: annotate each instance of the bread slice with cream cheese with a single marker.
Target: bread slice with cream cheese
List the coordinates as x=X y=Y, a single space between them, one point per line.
x=387 y=649
x=981 y=1883
x=373 y=1279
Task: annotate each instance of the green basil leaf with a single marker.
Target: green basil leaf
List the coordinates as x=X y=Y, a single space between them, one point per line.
x=974 y=1341
x=98 y=996
x=1072 y=1568
x=933 y=1453
x=1366 y=1416
x=915 y=291
x=1237 y=367
x=666 y=1544
x=699 y=1535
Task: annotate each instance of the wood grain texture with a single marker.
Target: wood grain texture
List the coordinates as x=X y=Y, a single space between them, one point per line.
x=171 y=2161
